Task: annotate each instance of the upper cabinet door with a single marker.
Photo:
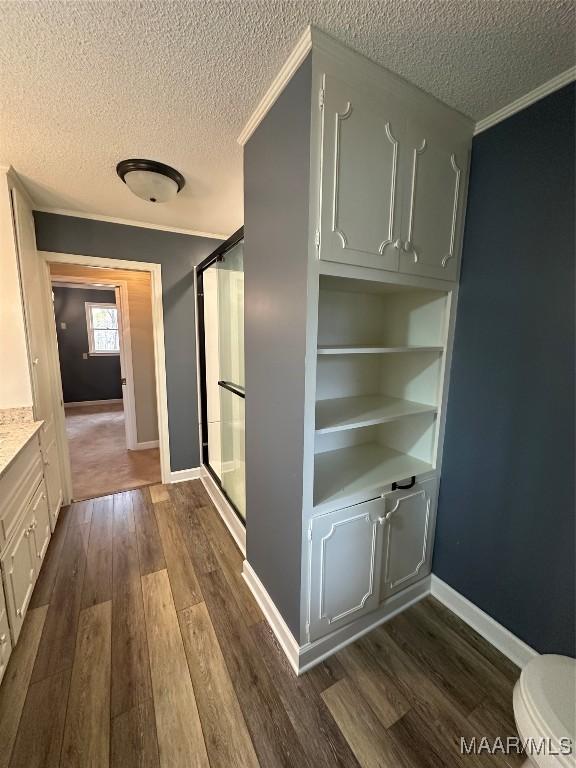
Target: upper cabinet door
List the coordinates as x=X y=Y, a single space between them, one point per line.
x=360 y=195
x=435 y=168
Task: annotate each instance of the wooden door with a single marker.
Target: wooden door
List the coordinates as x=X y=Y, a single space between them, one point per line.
x=408 y=531
x=19 y=569
x=33 y=291
x=345 y=554
x=360 y=192
x=434 y=167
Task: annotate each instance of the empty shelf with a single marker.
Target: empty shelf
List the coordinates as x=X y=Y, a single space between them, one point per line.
x=368 y=349
x=353 y=412
x=342 y=475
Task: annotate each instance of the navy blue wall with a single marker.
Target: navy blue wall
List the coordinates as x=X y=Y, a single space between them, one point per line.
x=94 y=378
x=178 y=254
x=506 y=522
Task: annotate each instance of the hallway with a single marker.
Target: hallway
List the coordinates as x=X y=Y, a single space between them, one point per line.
x=99 y=460
x=144 y=647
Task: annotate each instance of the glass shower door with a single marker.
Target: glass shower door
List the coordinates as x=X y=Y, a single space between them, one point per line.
x=221 y=308
x=231 y=381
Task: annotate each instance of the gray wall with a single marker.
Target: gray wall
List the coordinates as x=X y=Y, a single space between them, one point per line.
x=276 y=179
x=505 y=537
x=98 y=376
x=177 y=254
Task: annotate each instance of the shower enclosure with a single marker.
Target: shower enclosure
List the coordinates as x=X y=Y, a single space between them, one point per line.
x=220 y=299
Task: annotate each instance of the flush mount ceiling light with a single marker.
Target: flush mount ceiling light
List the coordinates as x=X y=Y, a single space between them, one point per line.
x=150 y=180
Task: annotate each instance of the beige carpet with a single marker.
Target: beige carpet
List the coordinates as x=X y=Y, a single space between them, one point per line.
x=101 y=464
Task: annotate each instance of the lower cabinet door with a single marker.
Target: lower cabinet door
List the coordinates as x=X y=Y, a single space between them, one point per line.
x=5 y=641
x=408 y=531
x=345 y=556
x=19 y=569
x=53 y=481
x=40 y=525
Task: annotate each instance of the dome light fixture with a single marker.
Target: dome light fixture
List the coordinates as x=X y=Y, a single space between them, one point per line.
x=150 y=180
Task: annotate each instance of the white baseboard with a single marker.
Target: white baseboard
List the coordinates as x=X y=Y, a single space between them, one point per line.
x=304 y=657
x=146 y=446
x=181 y=475
x=82 y=403
x=228 y=515
x=497 y=635
x=277 y=624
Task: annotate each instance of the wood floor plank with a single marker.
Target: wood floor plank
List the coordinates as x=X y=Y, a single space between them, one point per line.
x=16 y=679
x=134 y=741
x=39 y=740
x=87 y=728
x=378 y=688
x=230 y=561
x=496 y=720
x=272 y=733
x=180 y=739
x=362 y=729
x=125 y=559
x=186 y=511
x=56 y=649
x=81 y=512
x=49 y=570
x=313 y=723
x=326 y=673
x=420 y=743
x=225 y=733
x=183 y=581
x=158 y=493
x=150 y=549
x=98 y=579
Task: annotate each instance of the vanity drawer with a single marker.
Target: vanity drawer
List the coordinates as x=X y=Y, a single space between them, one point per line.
x=17 y=487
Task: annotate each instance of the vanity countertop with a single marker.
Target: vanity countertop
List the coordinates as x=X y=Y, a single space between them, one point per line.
x=14 y=435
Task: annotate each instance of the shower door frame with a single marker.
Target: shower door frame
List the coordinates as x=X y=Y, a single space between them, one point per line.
x=214 y=257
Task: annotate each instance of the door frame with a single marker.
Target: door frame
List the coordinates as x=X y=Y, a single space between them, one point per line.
x=155 y=271
x=128 y=394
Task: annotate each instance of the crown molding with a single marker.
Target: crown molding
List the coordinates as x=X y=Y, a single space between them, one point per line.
x=299 y=53
x=525 y=101
x=129 y=222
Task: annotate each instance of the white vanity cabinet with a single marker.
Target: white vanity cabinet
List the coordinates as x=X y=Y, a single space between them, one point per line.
x=408 y=530
x=392 y=183
x=345 y=556
x=5 y=639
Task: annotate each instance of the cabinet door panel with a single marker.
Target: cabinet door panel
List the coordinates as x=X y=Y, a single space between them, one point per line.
x=53 y=481
x=407 y=536
x=433 y=204
x=345 y=566
x=19 y=569
x=41 y=529
x=359 y=178
x=5 y=640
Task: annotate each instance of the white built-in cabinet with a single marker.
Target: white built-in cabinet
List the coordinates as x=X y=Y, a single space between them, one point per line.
x=392 y=191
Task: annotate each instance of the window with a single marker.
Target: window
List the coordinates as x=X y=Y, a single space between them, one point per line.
x=102 y=324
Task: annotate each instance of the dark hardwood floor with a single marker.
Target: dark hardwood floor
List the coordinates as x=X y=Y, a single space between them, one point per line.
x=144 y=647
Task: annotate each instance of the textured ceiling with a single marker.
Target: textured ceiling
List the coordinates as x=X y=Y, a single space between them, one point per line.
x=85 y=84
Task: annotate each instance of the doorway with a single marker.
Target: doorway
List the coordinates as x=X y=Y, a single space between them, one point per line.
x=106 y=359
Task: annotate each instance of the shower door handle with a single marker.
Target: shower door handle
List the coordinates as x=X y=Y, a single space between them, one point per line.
x=236 y=389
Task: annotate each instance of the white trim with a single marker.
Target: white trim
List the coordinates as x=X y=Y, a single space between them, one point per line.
x=525 y=101
x=128 y=222
x=272 y=615
x=297 y=56
x=182 y=475
x=81 y=403
x=155 y=271
x=146 y=446
x=304 y=657
x=497 y=635
x=228 y=515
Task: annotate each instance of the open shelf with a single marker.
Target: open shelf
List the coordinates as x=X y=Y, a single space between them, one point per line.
x=343 y=474
x=353 y=412
x=367 y=349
